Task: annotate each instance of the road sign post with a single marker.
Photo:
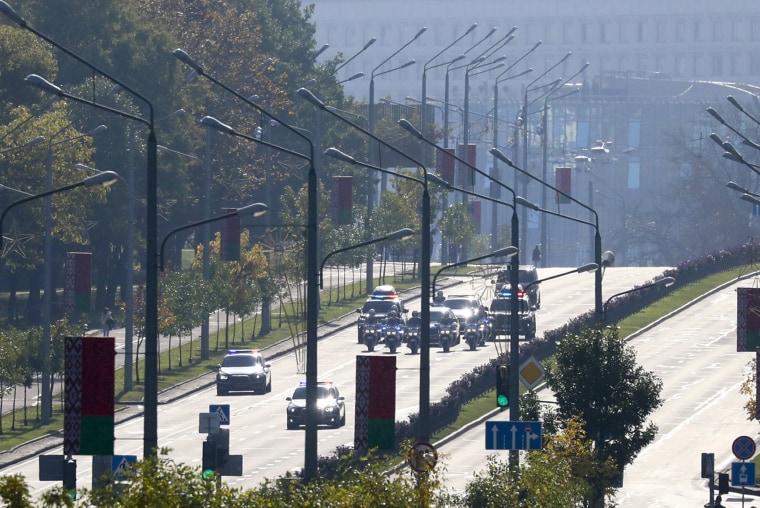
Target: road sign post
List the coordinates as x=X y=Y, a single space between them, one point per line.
x=513 y=435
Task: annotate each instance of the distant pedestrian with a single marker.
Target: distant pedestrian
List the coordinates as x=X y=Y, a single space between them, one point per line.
x=106 y=321
x=536 y=254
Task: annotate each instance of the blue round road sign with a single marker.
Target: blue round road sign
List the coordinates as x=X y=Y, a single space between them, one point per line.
x=743 y=447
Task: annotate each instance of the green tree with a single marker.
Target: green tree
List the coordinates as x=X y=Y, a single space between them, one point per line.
x=596 y=378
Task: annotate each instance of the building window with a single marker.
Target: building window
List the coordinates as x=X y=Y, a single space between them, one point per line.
x=634 y=175
x=717 y=65
x=582 y=135
x=584 y=33
x=717 y=31
x=680 y=31
x=634 y=134
x=603 y=33
x=640 y=31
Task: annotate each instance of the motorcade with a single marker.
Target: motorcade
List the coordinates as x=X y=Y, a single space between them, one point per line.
x=331 y=406
x=527 y=279
x=499 y=313
x=243 y=370
x=382 y=300
x=444 y=327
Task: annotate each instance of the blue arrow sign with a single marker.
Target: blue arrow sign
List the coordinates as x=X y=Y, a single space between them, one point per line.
x=742 y=474
x=513 y=435
x=223 y=410
x=120 y=464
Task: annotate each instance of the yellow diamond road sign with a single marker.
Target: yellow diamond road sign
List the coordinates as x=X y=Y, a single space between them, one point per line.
x=531 y=373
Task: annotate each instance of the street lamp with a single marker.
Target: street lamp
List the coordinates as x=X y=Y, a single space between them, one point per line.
x=597 y=235
x=151 y=269
x=424 y=409
x=255 y=210
x=401 y=234
x=364 y=48
x=312 y=288
x=372 y=155
x=664 y=282
x=104 y=178
x=505 y=252
x=588 y=267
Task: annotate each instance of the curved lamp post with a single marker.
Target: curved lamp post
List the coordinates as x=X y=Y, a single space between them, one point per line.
x=424 y=404
x=505 y=252
x=105 y=178
x=665 y=281
x=597 y=235
x=150 y=437
x=396 y=235
x=588 y=267
x=255 y=210
x=312 y=288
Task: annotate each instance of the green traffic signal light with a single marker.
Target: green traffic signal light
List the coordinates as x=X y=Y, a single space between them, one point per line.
x=502 y=386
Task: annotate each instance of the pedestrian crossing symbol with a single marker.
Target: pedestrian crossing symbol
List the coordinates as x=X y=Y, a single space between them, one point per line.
x=223 y=410
x=120 y=465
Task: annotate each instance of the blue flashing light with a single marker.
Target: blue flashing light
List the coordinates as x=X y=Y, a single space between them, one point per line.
x=241 y=351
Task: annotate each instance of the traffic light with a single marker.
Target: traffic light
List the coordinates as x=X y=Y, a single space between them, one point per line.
x=222 y=450
x=70 y=477
x=722 y=483
x=209 y=459
x=502 y=386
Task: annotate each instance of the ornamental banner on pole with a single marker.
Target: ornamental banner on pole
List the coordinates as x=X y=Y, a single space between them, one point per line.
x=747 y=319
x=375 y=419
x=88 y=420
x=78 y=282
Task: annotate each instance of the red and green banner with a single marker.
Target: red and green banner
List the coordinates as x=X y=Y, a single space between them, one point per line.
x=342 y=200
x=231 y=237
x=78 y=282
x=564 y=183
x=445 y=164
x=747 y=319
x=375 y=419
x=88 y=421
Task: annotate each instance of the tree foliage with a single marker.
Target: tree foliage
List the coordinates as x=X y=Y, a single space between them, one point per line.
x=596 y=378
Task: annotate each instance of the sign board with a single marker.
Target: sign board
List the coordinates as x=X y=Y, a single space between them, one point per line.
x=742 y=474
x=208 y=423
x=513 y=435
x=743 y=447
x=531 y=373
x=223 y=410
x=422 y=457
x=51 y=468
x=120 y=464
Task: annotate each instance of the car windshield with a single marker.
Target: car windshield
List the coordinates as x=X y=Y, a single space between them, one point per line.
x=381 y=306
x=436 y=315
x=503 y=305
x=527 y=276
x=323 y=392
x=240 y=361
x=459 y=304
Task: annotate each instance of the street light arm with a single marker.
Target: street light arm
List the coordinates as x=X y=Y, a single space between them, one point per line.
x=505 y=252
x=364 y=48
x=399 y=50
x=213 y=123
x=665 y=281
x=738 y=106
x=255 y=209
x=531 y=50
x=469 y=30
x=104 y=178
x=396 y=235
x=588 y=267
x=720 y=119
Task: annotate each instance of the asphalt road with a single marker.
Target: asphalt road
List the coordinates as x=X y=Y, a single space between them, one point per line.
x=257 y=429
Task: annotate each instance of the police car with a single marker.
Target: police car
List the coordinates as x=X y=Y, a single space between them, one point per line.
x=382 y=299
x=243 y=370
x=331 y=406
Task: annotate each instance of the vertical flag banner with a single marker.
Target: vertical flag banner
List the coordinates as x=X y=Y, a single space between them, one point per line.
x=747 y=319
x=231 y=237
x=78 y=284
x=563 y=182
x=445 y=164
x=473 y=210
x=342 y=200
x=88 y=420
x=375 y=403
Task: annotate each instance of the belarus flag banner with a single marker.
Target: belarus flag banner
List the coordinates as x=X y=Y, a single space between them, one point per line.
x=88 y=421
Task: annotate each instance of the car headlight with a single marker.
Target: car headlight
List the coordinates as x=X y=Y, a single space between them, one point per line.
x=329 y=409
x=223 y=377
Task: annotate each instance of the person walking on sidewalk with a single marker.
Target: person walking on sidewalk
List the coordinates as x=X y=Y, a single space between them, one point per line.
x=106 y=321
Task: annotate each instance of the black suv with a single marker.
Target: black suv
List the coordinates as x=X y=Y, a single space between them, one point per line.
x=381 y=301
x=243 y=370
x=500 y=314
x=331 y=406
x=527 y=275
